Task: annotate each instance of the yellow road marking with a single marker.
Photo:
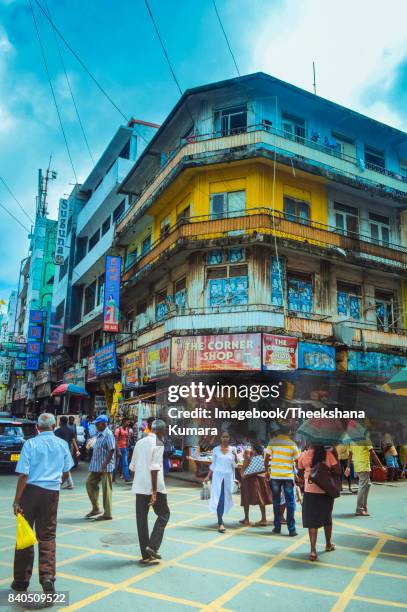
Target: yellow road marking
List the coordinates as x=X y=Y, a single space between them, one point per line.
x=351 y=588
x=161 y=597
x=383 y=602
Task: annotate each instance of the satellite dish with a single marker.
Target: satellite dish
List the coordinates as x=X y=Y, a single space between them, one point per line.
x=343 y=333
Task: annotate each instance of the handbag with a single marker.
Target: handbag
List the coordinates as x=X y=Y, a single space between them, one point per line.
x=205 y=491
x=325 y=479
x=256 y=466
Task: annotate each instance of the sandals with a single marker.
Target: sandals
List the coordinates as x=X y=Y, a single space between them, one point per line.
x=244 y=522
x=313 y=557
x=222 y=529
x=261 y=524
x=92 y=513
x=330 y=547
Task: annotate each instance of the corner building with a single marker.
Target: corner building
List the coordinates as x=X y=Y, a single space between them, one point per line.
x=266 y=213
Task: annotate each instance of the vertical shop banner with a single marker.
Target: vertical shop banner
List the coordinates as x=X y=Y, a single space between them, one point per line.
x=91 y=372
x=111 y=305
x=106 y=360
x=316 y=357
x=156 y=360
x=62 y=227
x=236 y=352
x=132 y=364
x=279 y=352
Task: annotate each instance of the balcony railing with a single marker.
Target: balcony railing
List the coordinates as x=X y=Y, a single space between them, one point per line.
x=262 y=220
x=275 y=139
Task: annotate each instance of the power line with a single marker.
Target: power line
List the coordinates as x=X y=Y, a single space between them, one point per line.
x=14 y=217
x=70 y=89
x=52 y=90
x=94 y=79
x=163 y=47
x=226 y=37
x=15 y=199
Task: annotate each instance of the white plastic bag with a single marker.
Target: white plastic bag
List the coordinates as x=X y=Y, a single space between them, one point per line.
x=206 y=491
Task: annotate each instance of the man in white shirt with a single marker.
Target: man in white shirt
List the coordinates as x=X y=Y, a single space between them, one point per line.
x=149 y=489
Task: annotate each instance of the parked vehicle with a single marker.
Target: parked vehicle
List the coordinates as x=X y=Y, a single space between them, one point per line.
x=13 y=434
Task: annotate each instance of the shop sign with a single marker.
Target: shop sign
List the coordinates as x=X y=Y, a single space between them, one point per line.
x=36 y=316
x=32 y=363
x=100 y=403
x=132 y=364
x=379 y=362
x=91 y=373
x=156 y=360
x=233 y=352
x=75 y=376
x=61 y=232
x=42 y=377
x=111 y=304
x=279 y=352
x=106 y=360
x=316 y=357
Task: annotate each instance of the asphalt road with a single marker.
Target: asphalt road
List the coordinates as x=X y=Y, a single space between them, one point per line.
x=246 y=569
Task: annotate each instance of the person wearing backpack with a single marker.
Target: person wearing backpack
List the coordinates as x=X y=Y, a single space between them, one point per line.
x=317 y=504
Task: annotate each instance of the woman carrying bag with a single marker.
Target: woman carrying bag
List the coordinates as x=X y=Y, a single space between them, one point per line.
x=255 y=489
x=319 y=465
x=222 y=472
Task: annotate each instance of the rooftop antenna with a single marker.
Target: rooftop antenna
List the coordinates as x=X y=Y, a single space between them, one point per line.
x=314 y=83
x=50 y=175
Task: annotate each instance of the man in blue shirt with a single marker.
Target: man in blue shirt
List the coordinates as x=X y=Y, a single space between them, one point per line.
x=44 y=463
x=101 y=468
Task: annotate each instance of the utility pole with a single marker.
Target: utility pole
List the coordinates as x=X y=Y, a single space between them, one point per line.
x=314 y=83
x=50 y=175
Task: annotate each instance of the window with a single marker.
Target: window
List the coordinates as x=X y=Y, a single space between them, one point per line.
x=346 y=219
x=184 y=215
x=293 y=128
x=300 y=296
x=131 y=257
x=228 y=285
x=106 y=226
x=89 y=298
x=69 y=226
x=345 y=146
x=379 y=229
x=141 y=308
x=385 y=311
x=125 y=152
x=374 y=158
x=297 y=210
x=81 y=244
x=180 y=293
x=93 y=240
x=59 y=312
x=64 y=268
x=98 y=339
x=161 y=305
x=349 y=301
x=86 y=346
x=231 y=120
x=118 y=211
x=146 y=245
x=165 y=227
x=229 y=204
x=403 y=168
x=101 y=289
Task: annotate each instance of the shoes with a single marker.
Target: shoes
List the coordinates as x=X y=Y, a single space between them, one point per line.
x=277 y=531
x=19 y=587
x=153 y=553
x=48 y=586
x=92 y=513
x=293 y=534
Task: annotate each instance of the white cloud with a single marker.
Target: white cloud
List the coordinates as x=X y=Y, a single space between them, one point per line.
x=352 y=43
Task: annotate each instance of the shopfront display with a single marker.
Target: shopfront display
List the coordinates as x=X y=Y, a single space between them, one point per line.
x=156 y=360
x=316 y=357
x=279 y=352
x=236 y=352
x=132 y=364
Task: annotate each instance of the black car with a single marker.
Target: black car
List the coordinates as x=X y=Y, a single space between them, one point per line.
x=13 y=434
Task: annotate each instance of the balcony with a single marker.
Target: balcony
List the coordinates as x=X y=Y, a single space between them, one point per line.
x=83 y=271
x=113 y=177
x=275 y=223
x=259 y=137
x=252 y=317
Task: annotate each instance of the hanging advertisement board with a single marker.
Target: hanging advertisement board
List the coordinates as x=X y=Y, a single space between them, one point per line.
x=111 y=305
x=279 y=352
x=316 y=357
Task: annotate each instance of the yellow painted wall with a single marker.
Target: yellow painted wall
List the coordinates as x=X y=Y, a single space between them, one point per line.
x=404 y=302
x=256 y=178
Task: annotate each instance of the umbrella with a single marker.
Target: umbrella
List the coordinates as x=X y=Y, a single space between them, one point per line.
x=332 y=431
x=68 y=389
x=397 y=383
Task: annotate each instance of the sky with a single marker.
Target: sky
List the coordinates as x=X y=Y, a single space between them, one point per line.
x=359 y=49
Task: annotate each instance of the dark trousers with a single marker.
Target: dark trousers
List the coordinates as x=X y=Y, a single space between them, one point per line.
x=163 y=514
x=221 y=504
x=40 y=508
x=289 y=494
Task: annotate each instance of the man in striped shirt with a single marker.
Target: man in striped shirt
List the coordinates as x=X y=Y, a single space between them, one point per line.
x=281 y=456
x=101 y=468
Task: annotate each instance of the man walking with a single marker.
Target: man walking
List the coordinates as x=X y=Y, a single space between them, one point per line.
x=149 y=489
x=281 y=455
x=361 y=455
x=65 y=433
x=101 y=468
x=122 y=439
x=44 y=461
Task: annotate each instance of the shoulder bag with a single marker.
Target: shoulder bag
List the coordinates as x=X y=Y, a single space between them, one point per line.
x=325 y=479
